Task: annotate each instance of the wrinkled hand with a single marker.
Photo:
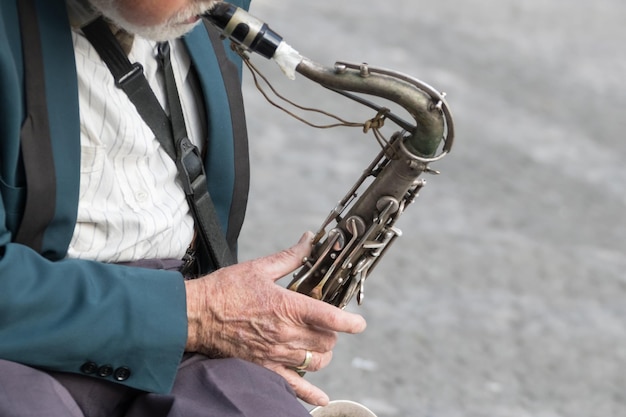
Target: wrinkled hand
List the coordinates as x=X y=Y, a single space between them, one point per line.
x=240 y=311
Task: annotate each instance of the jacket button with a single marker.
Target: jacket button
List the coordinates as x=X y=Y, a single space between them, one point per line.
x=89 y=368
x=121 y=374
x=105 y=370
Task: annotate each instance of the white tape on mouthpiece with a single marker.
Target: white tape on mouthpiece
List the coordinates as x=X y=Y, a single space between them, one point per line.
x=287 y=59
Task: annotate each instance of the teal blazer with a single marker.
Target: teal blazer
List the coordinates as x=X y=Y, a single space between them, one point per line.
x=127 y=325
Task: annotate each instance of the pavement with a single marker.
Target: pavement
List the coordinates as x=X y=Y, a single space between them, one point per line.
x=506 y=294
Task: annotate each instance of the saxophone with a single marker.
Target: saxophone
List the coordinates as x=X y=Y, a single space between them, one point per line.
x=360 y=229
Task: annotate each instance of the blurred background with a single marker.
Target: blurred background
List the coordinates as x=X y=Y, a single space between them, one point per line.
x=506 y=294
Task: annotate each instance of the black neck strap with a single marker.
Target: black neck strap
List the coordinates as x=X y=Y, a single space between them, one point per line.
x=169 y=131
x=35 y=137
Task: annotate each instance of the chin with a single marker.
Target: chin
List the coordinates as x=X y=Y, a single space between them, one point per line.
x=159 y=33
x=178 y=25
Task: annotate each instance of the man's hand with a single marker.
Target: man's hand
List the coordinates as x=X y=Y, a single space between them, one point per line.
x=240 y=311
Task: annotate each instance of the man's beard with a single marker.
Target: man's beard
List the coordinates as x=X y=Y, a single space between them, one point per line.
x=175 y=27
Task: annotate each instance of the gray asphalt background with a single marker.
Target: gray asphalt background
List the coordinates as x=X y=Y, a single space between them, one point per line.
x=506 y=295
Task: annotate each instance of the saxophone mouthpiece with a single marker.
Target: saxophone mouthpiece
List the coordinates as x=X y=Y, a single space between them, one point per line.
x=254 y=35
x=243 y=28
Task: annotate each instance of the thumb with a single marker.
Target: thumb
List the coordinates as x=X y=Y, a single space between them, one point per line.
x=307 y=237
x=286 y=261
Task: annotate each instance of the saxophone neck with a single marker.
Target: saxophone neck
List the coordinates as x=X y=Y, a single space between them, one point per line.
x=427 y=106
x=433 y=121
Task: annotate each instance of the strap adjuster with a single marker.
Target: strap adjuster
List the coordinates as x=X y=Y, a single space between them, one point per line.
x=191 y=168
x=136 y=70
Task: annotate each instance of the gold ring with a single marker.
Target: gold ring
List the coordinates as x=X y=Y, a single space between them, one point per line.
x=306 y=362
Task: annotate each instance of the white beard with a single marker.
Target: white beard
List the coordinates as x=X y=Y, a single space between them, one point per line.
x=175 y=27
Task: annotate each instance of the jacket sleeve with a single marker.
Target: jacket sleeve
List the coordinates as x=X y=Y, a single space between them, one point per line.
x=124 y=324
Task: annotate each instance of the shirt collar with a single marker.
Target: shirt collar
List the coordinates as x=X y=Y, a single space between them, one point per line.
x=81 y=12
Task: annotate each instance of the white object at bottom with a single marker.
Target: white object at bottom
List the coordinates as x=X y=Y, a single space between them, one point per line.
x=342 y=408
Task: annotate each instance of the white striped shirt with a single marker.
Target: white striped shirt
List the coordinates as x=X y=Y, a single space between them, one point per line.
x=131 y=205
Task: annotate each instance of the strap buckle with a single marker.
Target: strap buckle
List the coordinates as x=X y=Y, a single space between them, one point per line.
x=189 y=268
x=190 y=166
x=136 y=70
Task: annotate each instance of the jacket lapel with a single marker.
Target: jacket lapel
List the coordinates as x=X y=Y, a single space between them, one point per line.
x=62 y=98
x=227 y=160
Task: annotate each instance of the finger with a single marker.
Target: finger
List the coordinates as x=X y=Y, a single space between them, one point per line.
x=300 y=359
x=308 y=357
x=314 y=361
x=303 y=389
x=280 y=264
x=300 y=335
x=326 y=316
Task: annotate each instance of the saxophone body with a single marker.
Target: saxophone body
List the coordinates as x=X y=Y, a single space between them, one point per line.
x=359 y=230
x=361 y=227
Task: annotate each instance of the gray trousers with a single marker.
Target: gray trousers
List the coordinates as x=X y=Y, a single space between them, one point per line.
x=203 y=388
